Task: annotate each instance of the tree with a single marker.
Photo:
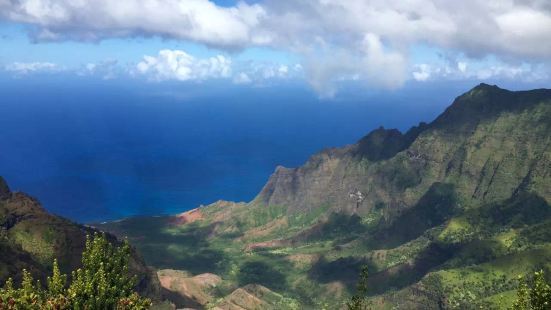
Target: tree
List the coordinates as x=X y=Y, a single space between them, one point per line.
x=103 y=282
x=359 y=300
x=536 y=296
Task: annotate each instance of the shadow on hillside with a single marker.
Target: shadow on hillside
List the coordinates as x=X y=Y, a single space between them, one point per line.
x=263 y=273
x=408 y=273
x=166 y=245
x=524 y=208
x=346 y=270
x=435 y=207
x=528 y=213
x=338 y=227
x=181 y=301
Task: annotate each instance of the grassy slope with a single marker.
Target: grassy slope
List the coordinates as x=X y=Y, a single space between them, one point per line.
x=451 y=225
x=31 y=238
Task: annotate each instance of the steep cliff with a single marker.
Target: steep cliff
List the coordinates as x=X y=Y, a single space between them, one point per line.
x=490 y=143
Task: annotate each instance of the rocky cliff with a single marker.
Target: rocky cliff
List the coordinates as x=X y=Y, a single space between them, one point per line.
x=490 y=143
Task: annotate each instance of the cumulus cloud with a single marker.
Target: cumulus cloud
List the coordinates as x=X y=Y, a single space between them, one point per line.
x=511 y=30
x=336 y=40
x=179 y=65
x=463 y=70
x=524 y=72
x=242 y=78
x=363 y=62
x=197 y=20
x=422 y=72
x=107 y=69
x=262 y=73
x=173 y=65
x=476 y=27
x=32 y=67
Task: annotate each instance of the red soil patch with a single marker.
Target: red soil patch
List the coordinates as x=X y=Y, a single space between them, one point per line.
x=265 y=244
x=191 y=288
x=303 y=259
x=188 y=217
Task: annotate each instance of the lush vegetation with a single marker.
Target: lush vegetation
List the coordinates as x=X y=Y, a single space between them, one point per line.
x=469 y=259
x=533 y=295
x=359 y=300
x=103 y=282
x=449 y=215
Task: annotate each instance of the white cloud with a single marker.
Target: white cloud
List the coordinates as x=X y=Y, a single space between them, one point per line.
x=422 y=72
x=329 y=35
x=173 y=65
x=382 y=68
x=179 y=65
x=336 y=39
x=252 y=72
x=107 y=69
x=242 y=78
x=198 y=20
x=477 y=27
x=478 y=70
x=462 y=66
x=366 y=62
x=32 y=67
x=501 y=71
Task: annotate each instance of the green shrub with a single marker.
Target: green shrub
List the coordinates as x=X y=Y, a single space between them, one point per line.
x=535 y=295
x=359 y=300
x=103 y=282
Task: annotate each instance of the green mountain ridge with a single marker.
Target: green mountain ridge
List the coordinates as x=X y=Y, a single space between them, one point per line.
x=452 y=148
x=31 y=238
x=445 y=216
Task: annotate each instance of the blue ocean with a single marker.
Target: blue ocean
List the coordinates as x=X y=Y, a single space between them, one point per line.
x=94 y=150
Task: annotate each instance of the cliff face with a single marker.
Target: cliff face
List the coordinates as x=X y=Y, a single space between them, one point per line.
x=31 y=238
x=490 y=143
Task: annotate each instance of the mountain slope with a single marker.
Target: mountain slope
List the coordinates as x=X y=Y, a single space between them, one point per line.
x=445 y=215
x=31 y=238
x=487 y=132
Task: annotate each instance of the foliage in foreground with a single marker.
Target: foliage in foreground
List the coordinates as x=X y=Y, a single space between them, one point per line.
x=531 y=295
x=359 y=300
x=535 y=295
x=103 y=282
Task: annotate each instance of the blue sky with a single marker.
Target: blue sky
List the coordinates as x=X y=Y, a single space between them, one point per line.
x=325 y=43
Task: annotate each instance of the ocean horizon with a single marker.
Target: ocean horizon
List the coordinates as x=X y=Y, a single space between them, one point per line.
x=99 y=151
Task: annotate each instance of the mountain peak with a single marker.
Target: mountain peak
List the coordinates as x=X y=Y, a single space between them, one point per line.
x=483 y=89
x=486 y=101
x=484 y=86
